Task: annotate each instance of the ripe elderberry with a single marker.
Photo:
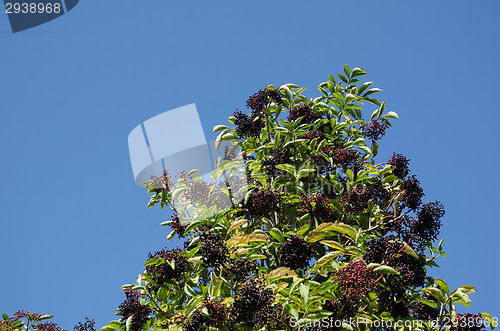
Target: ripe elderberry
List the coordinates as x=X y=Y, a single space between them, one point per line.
x=241 y=268
x=253 y=305
x=87 y=326
x=296 y=253
x=346 y=159
x=47 y=326
x=400 y=164
x=260 y=100
x=247 y=126
x=317 y=205
x=303 y=111
x=311 y=135
x=341 y=308
x=375 y=129
x=277 y=157
x=355 y=280
x=163 y=273
x=424 y=312
x=177 y=226
x=162 y=183
x=216 y=314
x=262 y=202
x=382 y=250
x=356 y=199
x=213 y=249
x=132 y=307
x=412 y=193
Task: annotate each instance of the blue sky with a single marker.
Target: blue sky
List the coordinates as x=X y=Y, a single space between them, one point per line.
x=74 y=225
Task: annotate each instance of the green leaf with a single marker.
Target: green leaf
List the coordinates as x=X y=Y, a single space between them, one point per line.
x=358 y=72
x=236 y=224
x=326 y=229
x=342 y=78
x=436 y=293
x=384 y=269
x=374 y=148
x=219 y=128
x=276 y=234
x=128 y=323
x=189 y=291
x=363 y=87
x=493 y=322
x=332 y=244
x=371 y=91
x=326 y=259
x=442 y=285
x=347 y=71
x=304 y=293
x=391 y=114
x=429 y=303
x=280 y=273
x=5 y=317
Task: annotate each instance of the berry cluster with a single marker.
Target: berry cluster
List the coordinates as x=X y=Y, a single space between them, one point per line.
x=132 y=307
x=356 y=199
x=346 y=159
x=382 y=249
x=411 y=272
x=47 y=326
x=241 y=268
x=322 y=163
x=311 y=135
x=412 y=193
x=177 y=226
x=342 y=308
x=355 y=281
x=262 y=202
x=277 y=157
x=215 y=314
x=260 y=100
x=468 y=322
x=198 y=191
x=375 y=129
x=400 y=164
x=295 y=253
x=424 y=312
x=425 y=227
x=162 y=183
x=303 y=111
x=247 y=126
x=378 y=193
x=253 y=305
x=395 y=302
x=213 y=249
x=87 y=326
x=317 y=205
x=25 y=314
x=162 y=273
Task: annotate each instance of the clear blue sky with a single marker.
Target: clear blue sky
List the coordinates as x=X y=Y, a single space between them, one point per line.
x=74 y=225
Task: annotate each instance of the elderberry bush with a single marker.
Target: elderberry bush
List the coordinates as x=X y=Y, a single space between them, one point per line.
x=320 y=231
